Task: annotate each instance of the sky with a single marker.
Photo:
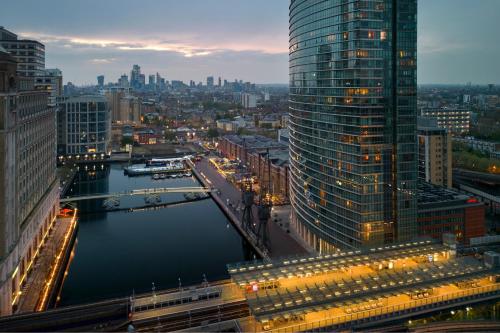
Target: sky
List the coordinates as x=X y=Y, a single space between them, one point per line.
x=244 y=39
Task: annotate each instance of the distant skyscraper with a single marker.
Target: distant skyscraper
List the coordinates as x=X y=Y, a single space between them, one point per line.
x=220 y=81
x=210 y=81
x=123 y=81
x=100 y=81
x=353 y=144
x=151 y=81
x=135 y=76
x=29 y=188
x=30 y=54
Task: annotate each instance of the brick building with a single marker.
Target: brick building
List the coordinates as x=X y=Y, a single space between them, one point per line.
x=442 y=210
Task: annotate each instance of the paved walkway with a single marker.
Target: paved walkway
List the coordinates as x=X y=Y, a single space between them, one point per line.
x=281 y=243
x=43 y=270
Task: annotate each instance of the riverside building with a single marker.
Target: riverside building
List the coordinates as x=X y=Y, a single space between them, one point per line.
x=353 y=122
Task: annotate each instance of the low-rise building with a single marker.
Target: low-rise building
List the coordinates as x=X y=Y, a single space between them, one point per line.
x=442 y=210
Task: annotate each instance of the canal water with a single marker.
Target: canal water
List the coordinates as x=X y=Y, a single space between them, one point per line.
x=118 y=253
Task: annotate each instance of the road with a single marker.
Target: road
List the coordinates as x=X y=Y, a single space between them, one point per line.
x=281 y=243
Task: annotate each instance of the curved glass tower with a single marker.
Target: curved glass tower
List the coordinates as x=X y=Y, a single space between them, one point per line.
x=353 y=143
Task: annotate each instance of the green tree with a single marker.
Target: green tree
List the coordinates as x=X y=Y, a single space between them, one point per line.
x=127 y=141
x=213 y=133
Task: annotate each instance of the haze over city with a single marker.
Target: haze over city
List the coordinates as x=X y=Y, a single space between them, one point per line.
x=192 y=39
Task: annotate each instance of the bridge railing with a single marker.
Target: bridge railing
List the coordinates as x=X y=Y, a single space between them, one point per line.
x=394 y=310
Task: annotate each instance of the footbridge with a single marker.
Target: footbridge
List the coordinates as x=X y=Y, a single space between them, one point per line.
x=142 y=192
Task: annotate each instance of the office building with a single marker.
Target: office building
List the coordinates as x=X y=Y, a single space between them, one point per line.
x=151 y=81
x=220 y=82
x=210 y=82
x=453 y=118
x=29 y=190
x=84 y=126
x=123 y=81
x=52 y=81
x=435 y=153
x=135 y=80
x=30 y=54
x=100 y=81
x=353 y=122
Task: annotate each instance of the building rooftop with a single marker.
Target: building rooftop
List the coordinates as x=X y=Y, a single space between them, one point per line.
x=255 y=141
x=282 y=290
x=429 y=194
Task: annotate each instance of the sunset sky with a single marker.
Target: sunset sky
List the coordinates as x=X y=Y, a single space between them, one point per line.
x=244 y=39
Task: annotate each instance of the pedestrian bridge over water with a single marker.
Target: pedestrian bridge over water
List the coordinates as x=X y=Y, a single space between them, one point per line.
x=142 y=192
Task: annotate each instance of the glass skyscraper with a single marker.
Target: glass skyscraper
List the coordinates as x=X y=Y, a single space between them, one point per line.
x=353 y=122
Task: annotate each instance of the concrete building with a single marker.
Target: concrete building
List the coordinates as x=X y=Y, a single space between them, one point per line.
x=435 y=154
x=442 y=211
x=453 y=118
x=30 y=54
x=84 y=126
x=353 y=122
x=249 y=101
x=114 y=97
x=130 y=110
x=29 y=190
x=51 y=80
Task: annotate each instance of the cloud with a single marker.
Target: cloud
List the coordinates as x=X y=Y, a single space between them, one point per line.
x=193 y=48
x=429 y=44
x=102 y=61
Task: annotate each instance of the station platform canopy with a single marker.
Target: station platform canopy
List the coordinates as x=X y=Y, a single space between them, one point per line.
x=370 y=290
x=264 y=272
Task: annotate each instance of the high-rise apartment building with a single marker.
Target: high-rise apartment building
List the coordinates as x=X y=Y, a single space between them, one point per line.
x=84 y=126
x=353 y=122
x=29 y=190
x=30 y=54
x=434 y=153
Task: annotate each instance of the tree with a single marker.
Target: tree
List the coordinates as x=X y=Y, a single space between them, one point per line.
x=213 y=133
x=170 y=136
x=127 y=141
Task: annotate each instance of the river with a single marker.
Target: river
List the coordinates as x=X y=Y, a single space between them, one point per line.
x=118 y=253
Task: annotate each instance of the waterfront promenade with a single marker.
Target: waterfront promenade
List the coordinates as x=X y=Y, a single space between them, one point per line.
x=280 y=244
x=48 y=265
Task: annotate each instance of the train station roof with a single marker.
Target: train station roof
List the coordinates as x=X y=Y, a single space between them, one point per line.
x=259 y=272
x=371 y=288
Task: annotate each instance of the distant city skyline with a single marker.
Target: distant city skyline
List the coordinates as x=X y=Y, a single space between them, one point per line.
x=194 y=39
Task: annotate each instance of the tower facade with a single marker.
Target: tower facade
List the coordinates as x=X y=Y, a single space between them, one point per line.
x=353 y=121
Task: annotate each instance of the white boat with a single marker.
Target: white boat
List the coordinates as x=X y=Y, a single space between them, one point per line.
x=156 y=176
